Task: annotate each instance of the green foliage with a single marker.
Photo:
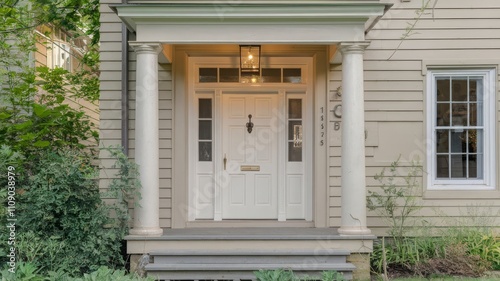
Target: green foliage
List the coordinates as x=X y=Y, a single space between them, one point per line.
x=483 y=243
x=124 y=187
x=29 y=272
x=397 y=202
x=276 y=275
x=34 y=107
x=288 y=275
x=61 y=214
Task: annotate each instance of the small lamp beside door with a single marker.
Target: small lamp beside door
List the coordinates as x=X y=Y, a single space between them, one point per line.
x=250 y=63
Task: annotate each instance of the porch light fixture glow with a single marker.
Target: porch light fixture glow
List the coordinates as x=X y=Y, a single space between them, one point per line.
x=250 y=61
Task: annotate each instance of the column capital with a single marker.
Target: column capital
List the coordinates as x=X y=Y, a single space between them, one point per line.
x=146 y=47
x=353 y=47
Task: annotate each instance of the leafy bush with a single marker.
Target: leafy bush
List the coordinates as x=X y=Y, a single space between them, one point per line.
x=288 y=275
x=63 y=224
x=473 y=250
x=29 y=272
x=397 y=202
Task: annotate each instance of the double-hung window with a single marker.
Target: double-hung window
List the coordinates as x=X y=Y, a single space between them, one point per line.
x=461 y=125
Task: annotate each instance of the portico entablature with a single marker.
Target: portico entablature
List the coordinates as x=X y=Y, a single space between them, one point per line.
x=250 y=21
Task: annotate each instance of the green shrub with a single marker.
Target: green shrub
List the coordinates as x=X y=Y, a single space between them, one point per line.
x=289 y=275
x=29 y=272
x=61 y=214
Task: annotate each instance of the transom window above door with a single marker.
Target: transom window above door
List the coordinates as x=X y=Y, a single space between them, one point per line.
x=268 y=75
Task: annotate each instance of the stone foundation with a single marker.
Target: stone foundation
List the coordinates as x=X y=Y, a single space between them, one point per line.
x=362 y=263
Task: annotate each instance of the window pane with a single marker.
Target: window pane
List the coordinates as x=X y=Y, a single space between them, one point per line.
x=292 y=129
x=458 y=166
x=205 y=151
x=205 y=130
x=479 y=164
x=292 y=75
x=271 y=75
x=458 y=141
x=473 y=89
x=295 y=108
x=294 y=153
x=229 y=75
x=473 y=166
x=476 y=141
x=208 y=75
x=443 y=114
x=459 y=114
x=473 y=114
x=479 y=114
x=205 y=108
x=442 y=141
x=442 y=166
x=472 y=141
x=459 y=89
x=443 y=89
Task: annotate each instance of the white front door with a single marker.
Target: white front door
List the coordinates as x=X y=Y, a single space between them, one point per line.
x=250 y=181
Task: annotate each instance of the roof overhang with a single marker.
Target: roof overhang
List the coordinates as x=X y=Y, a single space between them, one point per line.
x=251 y=21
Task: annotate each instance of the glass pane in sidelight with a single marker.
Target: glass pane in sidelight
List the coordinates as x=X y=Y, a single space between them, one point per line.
x=205 y=130
x=294 y=153
x=205 y=151
x=293 y=129
x=295 y=108
x=205 y=108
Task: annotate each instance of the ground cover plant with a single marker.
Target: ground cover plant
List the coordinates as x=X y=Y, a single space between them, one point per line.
x=289 y=275
x=459 y=250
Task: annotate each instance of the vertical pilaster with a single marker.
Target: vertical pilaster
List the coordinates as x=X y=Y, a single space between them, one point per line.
x=146 y=214
x=353 y=141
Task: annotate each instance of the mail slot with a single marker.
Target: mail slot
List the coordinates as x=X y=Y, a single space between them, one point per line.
x=250 y=168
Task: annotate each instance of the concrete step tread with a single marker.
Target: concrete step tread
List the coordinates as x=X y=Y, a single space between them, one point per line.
x=258 y=252
x=254 y=266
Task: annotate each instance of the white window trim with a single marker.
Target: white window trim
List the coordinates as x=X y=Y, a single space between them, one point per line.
x=489 y=181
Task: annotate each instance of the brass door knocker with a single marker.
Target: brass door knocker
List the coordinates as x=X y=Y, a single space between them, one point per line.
x=249 y=124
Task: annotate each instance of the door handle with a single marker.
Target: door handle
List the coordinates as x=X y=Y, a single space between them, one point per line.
x=225 y=161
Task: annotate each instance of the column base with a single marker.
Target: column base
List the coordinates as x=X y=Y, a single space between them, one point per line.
x=146 y=231
x=354 y=230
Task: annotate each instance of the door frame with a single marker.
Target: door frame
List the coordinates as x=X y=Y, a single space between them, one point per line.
x=183 y=100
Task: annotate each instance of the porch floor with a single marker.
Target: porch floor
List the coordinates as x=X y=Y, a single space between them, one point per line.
x=251 y=233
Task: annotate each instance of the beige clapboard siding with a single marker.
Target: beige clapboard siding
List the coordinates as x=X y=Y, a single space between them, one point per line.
x=395 y=90
x=110 y=91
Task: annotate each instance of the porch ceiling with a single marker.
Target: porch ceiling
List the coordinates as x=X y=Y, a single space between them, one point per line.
x=250 y=21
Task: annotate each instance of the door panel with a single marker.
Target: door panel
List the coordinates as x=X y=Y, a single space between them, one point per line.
x=250 y=194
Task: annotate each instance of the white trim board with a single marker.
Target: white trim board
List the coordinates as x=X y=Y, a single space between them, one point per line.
x=299 y=22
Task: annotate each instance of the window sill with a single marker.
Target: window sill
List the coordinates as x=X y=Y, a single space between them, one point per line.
x=452 y=194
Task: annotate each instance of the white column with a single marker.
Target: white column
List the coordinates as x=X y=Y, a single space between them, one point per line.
x=353 y=141
x=147 y=214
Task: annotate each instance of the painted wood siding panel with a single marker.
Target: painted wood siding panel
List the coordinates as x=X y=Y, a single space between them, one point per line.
x=456 y=31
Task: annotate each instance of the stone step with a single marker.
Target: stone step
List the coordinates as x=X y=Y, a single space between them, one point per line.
x=237 y=271
x=293 y=256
